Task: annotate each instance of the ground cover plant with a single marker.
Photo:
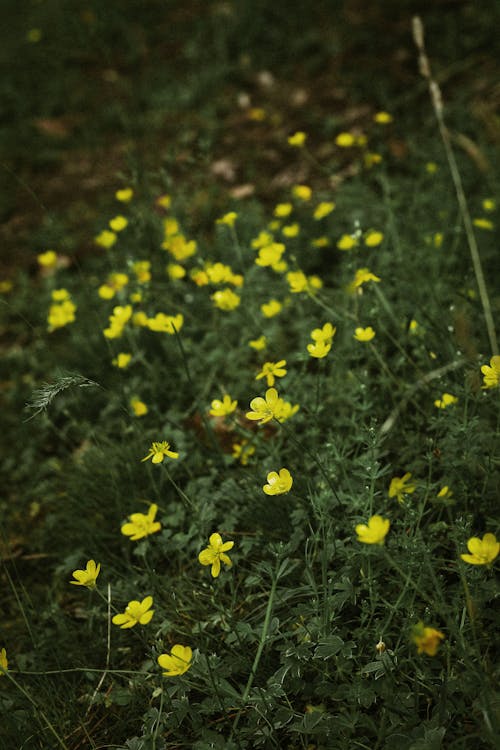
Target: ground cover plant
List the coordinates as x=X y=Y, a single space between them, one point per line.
x=251 y=450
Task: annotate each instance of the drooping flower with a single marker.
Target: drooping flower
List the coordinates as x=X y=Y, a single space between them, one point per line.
x=141 y=524
x=4 y=663
x=224 y=407
x=158 y=451
x=491 y=373
x=278 y=482
x=177 y=661
x=364 y=334
x=214 y=554
x=272 y=370
x=447 y=399
x=482 y=551
x=88 y=576
x=135 y=613
x=426 y=639
x=399 y=487
x=374 y=532
x=264 y=409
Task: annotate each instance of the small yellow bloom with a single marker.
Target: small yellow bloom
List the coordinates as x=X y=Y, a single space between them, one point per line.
x=364 y=334
x=138 y=407
x=270 y=255
x=142 y=270
x=482 y=551
x=484 y=224
x=382 y=118
x=141 y=524
x=177 y=661
x=176 y=271
x=272 y=370
x=264 y=409
x=224 y=407
x=282 y=210
x=431 y=167
x=162 y=323
x=291 y=230
x=4 y=663
x=444 y=493
x=319 y=349
x=373 y=238
x=447 y=399
x=225 y=299
x=374 y=532
x=214 y=554
x=271 y=308
x=491 y=373
x=158 y=451
x=323 y=209
x=88 y=576
x=278 y=482
x=362 y=276
x=242 y=452
x=298 y=139
x=347 y=242
x=47 y=259
x=135 y=613
x=326 y=333
x=345 y=140
x=489 y=204
x=106 y=239
x=399 y=487
x=164 y=201
x=302 y=192
x=122 y=360
x=118 y=224
x=258 y=344
x=371 y=158
x=228 y=219
x=426 y=639
x=124 y=195
x=320 y=242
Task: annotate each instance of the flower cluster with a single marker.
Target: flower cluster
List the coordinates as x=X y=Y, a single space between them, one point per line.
x=322 y=341
x=62 y=310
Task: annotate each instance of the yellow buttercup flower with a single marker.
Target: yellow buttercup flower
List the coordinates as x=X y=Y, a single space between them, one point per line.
x=122 y=360
x=177 y=661
x=426 y=639
x=382 y=118
x=373 y=238
x=47 y=259
x=124 y=195
x=319 y=349
x=271 y=308
x=162 y=323
x=323 y=209
x=447 y=399
x=135 y=613
x=228 y=219
x=278 y=482
x=265 y=409
x=362 y=276
x=364 y=334
x=482 y=551
x=298 y=139
x=215 y=553
x=138 y=407
x=281 y=211
x=491 y=373
x=399 y=487
x=88 y=576
x=482 y=223
x=347 y=242
x=272 y=370
x=225 y=299
x=141 y=524
x=302 y=192
x=224 y=407
x=374 y=532
x=158 y=451
x=242 y=452
x=118 y=224
x=258 y=344
x=345 y=140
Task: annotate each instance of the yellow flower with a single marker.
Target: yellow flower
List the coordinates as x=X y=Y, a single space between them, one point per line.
x=374 y=532
x=122 y=360
x=347 y=242
x=60 y=295
x=319 y=349
x=483 y=551
x=258 y=344
x=484 y=224
x=373 y=238
x=382 y=118
x=271 y=308
x=322 y=210
x=177 y=661
x=291 y=230
x=141 y=525
x=278 y=483
x=176 y=271
x=225 y=299
x=124 y=195
x=47 y=259
x=426 y=639
x=4 y=663
x=326 y=333
x=228 y=219
x=242 y=452
x=138 y=407
x=447 y=399
x=214 y=554
x=6 y=286
x=371 y=158
x=114 y=283
x=364 y=334
x=142 y=270
x=117 y=321
x=362 y=276
x=270 y=255
x=489 y=204
x=491 y=373
x=272 y=370
x=445 y=493
x=105 y=239
x=265 y=409
x=224 y=407
x=345 y=140
x=399 y=487
x=164 y=201
x=302 y=192
x=118 y=224
x=158 y=451
x=281 y=211
x=320 y=242
x=162 y=323
x=135 y=613
x=284 y=410
x=298 y=139
x=88 y=576
x=179 y=247
x=431 y=167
